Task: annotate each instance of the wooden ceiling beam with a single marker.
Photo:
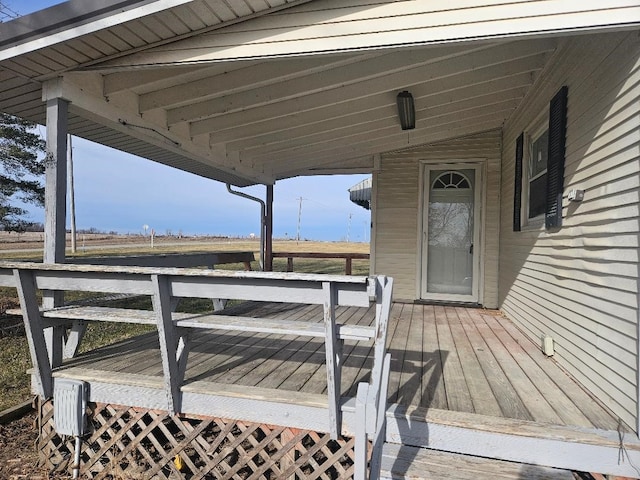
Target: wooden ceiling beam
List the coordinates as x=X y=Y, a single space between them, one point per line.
x=252 y=77
x=445 y=115
x=386 y=138
x=397 y=67
x=486 y=93
x=83 y=90
x=482 y=64
x=142 y=78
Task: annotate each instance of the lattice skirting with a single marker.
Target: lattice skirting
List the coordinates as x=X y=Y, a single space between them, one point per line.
x=135 y=443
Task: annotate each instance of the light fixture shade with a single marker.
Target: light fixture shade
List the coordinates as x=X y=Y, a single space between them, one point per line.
x=406 y=110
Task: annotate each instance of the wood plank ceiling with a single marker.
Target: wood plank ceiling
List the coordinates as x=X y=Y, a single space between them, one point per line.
x=271 y=118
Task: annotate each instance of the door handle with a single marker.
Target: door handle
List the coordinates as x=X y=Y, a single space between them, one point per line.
x=471 y=249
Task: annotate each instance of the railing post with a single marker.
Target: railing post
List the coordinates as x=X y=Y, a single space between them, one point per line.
x=361 y=440
x=384 y=288
x=173 y=348
x=25 y=284
x=333 y=350
x=377 y=414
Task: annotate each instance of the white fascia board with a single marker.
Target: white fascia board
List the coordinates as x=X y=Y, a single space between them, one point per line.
x=81 y=26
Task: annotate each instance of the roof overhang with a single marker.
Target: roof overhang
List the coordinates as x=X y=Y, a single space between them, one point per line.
x=243 y=94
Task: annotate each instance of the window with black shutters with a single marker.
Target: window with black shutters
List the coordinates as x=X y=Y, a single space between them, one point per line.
x=539 y=168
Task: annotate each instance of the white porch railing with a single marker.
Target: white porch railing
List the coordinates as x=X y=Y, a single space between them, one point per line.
x=47 y=329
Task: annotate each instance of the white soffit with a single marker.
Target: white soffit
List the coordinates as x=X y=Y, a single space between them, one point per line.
x=337 y=26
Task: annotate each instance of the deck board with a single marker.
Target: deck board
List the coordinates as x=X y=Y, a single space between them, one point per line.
x=216 y=352
x=482 y=397
x=560 y=403
x=535 y=403
x=579 y=397
x=433 y=393
x=410 y=387
x=503 y=390
x=448 y=358
x=397 y=348
x=257 y=362
x=404 y=462
x=458 y=396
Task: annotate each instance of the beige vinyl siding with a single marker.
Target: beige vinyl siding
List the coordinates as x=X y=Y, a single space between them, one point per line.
x=396 y=223
x=580 y=284
x=398 y=210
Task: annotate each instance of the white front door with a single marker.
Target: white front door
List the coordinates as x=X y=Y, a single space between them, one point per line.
x=450 y=237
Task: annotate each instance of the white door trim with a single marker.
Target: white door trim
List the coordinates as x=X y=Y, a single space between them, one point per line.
x=479 y=165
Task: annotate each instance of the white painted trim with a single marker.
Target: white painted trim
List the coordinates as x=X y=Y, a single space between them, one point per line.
x=374 y=219
x=420 y=222
x=75 y=31
x=572 y=448
x=259 y=409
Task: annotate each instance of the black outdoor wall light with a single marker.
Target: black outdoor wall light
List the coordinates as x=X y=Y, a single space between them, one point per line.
x=406 y=110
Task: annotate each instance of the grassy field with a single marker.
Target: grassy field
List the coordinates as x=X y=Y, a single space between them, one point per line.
x=14 y=353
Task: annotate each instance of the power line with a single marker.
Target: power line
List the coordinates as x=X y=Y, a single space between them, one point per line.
x=7 y=13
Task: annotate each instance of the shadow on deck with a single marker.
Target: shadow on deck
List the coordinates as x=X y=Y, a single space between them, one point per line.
x=463 y=380
x=445 y=358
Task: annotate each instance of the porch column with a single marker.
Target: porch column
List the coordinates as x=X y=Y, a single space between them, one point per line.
x=55 y=204
x=268 y=230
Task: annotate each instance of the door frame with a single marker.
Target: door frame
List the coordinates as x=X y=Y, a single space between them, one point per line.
x=479 y=166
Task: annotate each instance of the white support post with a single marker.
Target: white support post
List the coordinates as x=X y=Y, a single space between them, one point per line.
x=55 y=205
x=173 y=348
x=25 y=285
x=333 y=351
x=55 y=202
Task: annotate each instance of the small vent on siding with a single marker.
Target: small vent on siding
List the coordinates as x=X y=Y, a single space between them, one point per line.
x=70 y=404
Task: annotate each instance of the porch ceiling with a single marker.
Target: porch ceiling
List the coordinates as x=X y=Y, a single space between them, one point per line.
x=256 y=120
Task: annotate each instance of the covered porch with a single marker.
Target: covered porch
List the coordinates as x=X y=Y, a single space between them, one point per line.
x=462 y=380
x=253 y=95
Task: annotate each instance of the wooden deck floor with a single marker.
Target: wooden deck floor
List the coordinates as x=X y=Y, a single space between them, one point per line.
x=451 y=358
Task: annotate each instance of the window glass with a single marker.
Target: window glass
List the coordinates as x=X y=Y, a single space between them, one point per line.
x=538 y=155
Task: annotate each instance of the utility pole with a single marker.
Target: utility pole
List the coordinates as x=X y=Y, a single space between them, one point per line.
x=299 y=217
x=349 y=227
x=72 y=197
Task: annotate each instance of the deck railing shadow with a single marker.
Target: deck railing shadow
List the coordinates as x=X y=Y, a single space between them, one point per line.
x=238 y=354
x=417 y=368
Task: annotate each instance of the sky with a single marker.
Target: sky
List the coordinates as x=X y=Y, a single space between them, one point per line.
x=115 y=191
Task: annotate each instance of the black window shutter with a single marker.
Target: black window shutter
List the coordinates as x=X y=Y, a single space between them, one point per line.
x=517 y=188
x=555 y=161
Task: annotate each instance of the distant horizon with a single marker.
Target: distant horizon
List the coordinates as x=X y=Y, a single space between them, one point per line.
x=92 y=231
x=116 y=191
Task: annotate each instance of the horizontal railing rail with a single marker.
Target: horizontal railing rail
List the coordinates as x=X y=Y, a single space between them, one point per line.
x=47 y=328
x=347 y=256
x=182 y=260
